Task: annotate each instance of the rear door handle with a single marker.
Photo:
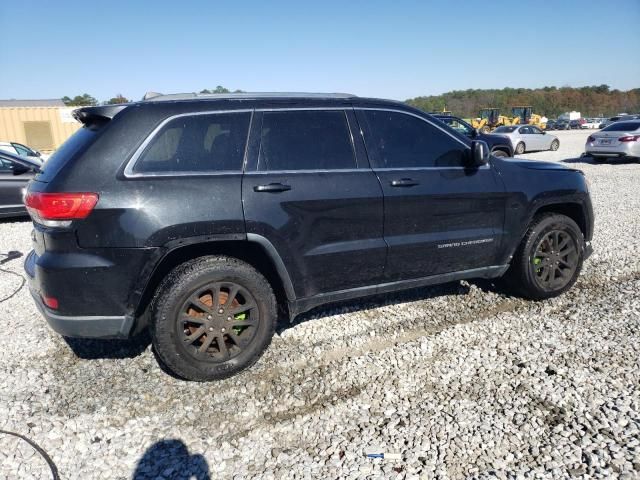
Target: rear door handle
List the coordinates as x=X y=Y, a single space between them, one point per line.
x=272 y=187
x=404 y=182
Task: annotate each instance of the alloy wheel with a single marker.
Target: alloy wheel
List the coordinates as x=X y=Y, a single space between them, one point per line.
x=218 y=321
x=555 y=260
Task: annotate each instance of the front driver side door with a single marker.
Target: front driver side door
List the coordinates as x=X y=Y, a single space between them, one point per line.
x=440 y=216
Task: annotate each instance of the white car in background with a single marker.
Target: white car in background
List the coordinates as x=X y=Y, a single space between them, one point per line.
x=592 y=123
x=528 y=138
x=21 y=150
x=620 y=140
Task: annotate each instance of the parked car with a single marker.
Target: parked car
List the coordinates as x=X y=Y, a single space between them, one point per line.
x=620 y=140
x=550 y=125
x=500 y=145
x=618 y=118
x=575 y=124
x=15 y=173
x=562 y=125
x=198 y=216
x=529 y=138
x=591 y=123
x=23 y=151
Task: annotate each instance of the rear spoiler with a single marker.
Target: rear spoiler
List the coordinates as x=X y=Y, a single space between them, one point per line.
x=88 y=115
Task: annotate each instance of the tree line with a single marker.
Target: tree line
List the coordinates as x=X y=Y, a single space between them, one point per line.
x=594 y=101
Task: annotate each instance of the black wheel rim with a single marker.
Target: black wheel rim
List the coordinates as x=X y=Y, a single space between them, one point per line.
x=218 y=321
x=555 y=260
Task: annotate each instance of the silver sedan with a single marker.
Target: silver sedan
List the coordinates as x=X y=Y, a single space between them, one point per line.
x=528 y=138
x=618 y=140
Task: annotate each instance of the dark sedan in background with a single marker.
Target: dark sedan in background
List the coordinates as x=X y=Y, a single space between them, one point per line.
x=15 y=173
x=500 y=145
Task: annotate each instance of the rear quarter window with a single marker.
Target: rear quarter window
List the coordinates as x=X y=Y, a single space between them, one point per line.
x=197 y=143
x=75 y=144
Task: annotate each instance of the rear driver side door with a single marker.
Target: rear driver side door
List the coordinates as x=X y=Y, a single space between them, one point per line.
x=308 y=190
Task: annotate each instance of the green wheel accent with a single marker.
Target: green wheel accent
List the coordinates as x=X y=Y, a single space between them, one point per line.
x=240 y=317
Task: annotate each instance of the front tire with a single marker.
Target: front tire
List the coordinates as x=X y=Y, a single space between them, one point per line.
x=499 y=153
x=549 y=259
x=212 y=317
x=520 y=148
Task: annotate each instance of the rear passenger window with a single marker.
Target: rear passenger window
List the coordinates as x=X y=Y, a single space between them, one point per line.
x=198 y=143
x=398 y=140
x=305 y=140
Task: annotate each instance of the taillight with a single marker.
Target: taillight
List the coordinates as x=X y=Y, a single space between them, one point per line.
x=591 y=138
x=629 y=138
x=50 y=302
x=58 y=209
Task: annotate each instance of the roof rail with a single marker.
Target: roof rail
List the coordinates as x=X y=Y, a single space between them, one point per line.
x=159 y=97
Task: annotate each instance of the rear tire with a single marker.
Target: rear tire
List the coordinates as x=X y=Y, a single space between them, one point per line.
x=555 y=145
x=212 y=317
x=499 y=153
x=520 y=148
x=549 y=259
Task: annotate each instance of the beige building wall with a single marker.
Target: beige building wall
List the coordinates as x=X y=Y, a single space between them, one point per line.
x=42 y=128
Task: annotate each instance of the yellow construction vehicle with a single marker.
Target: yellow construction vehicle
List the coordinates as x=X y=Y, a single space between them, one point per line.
x=490 y=119
x=524 y=114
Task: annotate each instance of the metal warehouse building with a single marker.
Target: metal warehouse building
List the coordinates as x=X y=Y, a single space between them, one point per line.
x=40 y=124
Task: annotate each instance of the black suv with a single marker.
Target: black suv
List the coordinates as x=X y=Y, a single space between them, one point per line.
x=500 y=145
x=200 y=216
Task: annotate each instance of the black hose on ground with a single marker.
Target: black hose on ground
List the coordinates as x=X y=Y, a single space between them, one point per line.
x=39 y=449
x=12 y=255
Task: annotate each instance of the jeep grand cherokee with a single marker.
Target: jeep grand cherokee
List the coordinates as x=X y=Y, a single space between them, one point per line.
x=198 y=216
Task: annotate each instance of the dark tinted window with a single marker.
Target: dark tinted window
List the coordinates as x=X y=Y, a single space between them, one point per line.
x=622 y=127
x=404 y=141
x=74 y=145
x=305 y=140
x=198 y=143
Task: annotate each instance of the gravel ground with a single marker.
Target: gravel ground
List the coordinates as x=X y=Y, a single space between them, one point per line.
x=459 y=380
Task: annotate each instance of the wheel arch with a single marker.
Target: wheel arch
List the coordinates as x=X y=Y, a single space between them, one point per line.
x=574 y=210
x=502 y=148
x=255 y=250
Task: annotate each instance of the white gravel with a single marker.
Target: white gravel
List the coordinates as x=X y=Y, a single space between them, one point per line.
x=460 y=380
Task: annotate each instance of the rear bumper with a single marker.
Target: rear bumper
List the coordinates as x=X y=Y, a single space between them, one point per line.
x=85 y=327
x=82 y=291
x=626 y=150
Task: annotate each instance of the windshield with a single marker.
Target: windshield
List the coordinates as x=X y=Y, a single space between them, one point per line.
x=622 y=127
x=458 y=125
x=504 y=129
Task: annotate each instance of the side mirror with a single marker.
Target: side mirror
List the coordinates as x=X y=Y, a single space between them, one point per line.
x=475 y=133
x=479 y=153
x=20 y=169
x=38 y=154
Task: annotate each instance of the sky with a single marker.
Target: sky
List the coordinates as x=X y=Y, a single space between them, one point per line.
x=392 y=49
